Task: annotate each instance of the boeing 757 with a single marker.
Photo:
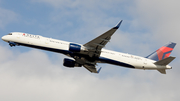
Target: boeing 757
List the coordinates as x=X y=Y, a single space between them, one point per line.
x=92 y=52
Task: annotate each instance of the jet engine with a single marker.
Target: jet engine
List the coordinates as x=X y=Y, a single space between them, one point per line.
x=12 y=44
x=70 y=63
x=76 y=48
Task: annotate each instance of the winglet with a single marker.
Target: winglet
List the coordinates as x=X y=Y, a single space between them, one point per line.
x=99 y=70
x=117 y=26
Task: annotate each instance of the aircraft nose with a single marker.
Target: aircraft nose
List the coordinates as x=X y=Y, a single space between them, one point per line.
x=4 y=38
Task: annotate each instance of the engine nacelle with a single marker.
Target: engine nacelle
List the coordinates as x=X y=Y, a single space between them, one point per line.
x=70 y=63
x=12 y=44
x=76 y=48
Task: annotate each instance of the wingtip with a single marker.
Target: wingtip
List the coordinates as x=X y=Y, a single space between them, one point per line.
x=117 y=26
x=99 y=70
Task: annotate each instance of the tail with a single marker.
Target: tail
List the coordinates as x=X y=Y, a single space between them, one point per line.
x=162 y=52
x=164 y=62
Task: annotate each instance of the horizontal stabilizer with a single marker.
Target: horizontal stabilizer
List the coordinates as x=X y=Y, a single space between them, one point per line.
x=165 y=61
x=162 y=71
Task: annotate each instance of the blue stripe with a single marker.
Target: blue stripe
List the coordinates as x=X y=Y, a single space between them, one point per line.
x=165 y=54
x=171 y=45
x=114 y=62
x=65 y=52
x=153 y=56
x=102 y=59
x=47 y=48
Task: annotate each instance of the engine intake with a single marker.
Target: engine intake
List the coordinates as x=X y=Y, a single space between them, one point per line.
x=70 y=63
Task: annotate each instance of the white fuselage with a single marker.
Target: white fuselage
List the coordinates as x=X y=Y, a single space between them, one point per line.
x=106 y=56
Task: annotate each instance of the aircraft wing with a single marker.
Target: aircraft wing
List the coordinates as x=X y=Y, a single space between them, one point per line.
x=94 y=46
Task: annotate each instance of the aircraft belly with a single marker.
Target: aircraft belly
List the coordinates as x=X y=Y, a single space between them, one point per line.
x=127 y=60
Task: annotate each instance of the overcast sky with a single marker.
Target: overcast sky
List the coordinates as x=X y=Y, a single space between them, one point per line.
x=34 y=75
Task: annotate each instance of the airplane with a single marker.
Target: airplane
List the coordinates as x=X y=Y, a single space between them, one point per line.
x=93 y=52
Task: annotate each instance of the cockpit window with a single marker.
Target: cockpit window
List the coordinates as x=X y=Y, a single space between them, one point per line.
x=10 y=34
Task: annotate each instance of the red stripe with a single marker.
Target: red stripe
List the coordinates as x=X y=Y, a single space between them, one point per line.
x=165 y=49
x=160 y=54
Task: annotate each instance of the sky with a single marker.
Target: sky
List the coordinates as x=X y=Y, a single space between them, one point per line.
x=28 y=74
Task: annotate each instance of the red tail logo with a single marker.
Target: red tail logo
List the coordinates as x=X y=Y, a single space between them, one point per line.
x=162 y=52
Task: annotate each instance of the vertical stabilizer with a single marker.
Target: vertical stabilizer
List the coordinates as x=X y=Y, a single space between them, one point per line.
x=162 y=52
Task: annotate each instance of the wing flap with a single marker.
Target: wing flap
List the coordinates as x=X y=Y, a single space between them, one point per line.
x=92 y=68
